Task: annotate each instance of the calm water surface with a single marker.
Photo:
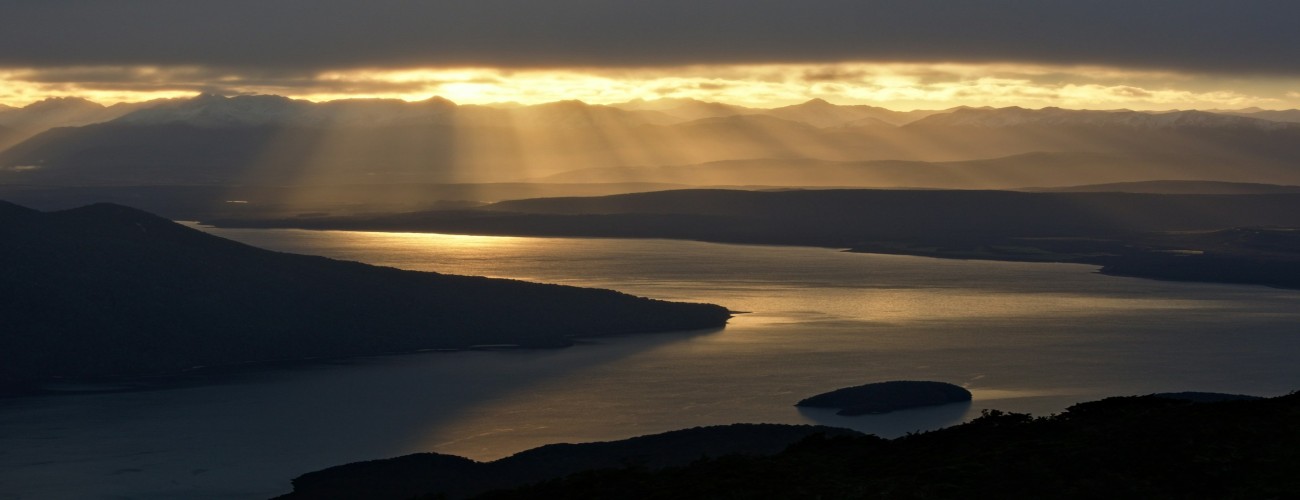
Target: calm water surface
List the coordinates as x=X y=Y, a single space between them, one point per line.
x=1023 y=337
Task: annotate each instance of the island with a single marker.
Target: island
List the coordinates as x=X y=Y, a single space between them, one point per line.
x=108 y=291
x=884 y=397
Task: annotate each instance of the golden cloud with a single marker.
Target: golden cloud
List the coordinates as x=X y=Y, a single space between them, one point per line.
x=893 y=85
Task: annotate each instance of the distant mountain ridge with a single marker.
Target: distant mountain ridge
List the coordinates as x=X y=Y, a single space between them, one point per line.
x=686 y=109
x=275 y=140
x=820 y=113
x=1281 y=115
x=210 y=111
x=216 y=110
x=22 y=123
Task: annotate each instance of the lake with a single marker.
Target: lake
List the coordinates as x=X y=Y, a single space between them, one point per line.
x=1022 y=337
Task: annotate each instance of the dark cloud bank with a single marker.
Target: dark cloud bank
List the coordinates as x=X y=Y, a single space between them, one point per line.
x=1191 y=35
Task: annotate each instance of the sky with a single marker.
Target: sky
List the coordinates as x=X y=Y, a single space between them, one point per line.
x=901 y=54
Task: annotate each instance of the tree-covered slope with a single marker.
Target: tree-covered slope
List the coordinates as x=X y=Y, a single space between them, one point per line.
x=1136 y=447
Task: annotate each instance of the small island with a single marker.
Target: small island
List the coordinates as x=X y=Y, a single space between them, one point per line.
x=884 y=397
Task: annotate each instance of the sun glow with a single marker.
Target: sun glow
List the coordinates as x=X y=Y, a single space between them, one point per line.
x=894 y=85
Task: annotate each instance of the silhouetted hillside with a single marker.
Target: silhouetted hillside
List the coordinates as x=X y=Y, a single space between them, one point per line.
x=1130 y=447
x=12 y=212
x=107 y=290
x=456 y=477
x=1137 y=447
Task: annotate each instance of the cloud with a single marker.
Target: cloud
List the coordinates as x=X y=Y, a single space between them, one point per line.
x=1126 y=91
x=194 y=79
x=1214 y=36
x=832 y=74
x=711 y=86
x=899 y=86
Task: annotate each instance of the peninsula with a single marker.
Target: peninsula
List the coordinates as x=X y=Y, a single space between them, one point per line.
x=110 y=291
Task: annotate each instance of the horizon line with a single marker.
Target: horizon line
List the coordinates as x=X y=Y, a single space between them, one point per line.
x=515 y=104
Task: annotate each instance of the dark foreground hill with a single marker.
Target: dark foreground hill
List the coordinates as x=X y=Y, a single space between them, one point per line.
x=424 y=473
x=107 y=290
x=1130 y=447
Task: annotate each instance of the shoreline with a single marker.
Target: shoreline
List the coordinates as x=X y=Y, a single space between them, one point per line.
x=1266 y=271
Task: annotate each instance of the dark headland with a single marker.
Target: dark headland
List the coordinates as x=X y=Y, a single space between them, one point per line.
x=110 y=291
x=884 y=397
x=1157 y=446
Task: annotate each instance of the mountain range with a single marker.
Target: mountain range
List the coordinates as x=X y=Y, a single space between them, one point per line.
x=17 y=124
x=272 y=140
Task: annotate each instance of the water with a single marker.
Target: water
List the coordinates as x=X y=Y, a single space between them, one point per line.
x=1023 y=337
